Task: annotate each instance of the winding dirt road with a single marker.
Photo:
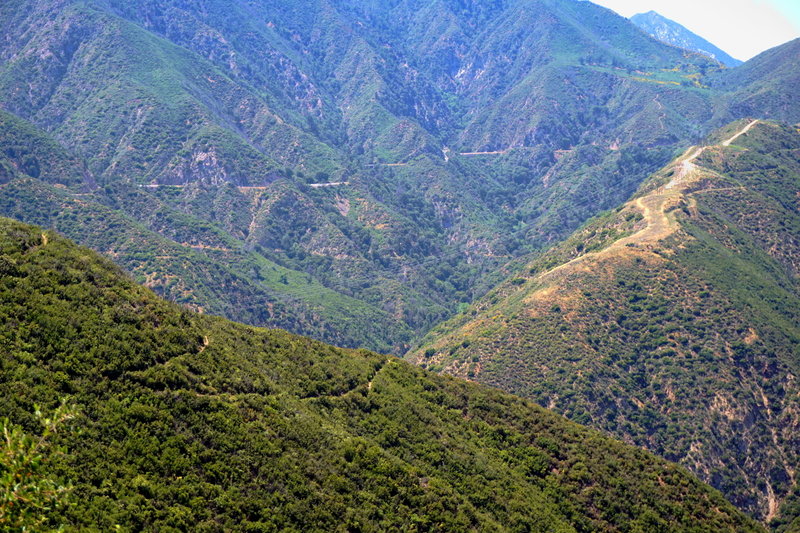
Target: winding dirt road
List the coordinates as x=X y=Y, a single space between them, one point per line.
x=655 y=205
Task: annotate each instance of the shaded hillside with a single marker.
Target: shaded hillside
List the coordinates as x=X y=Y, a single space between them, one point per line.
x=395 y=154
x=25 y=151
x=671 y=32
x=671 y=322
x=766 y=86
x=180 y=255
x=789 y=519
x=195 y=423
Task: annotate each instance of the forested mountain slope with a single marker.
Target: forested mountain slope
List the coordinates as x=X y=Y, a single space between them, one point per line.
x=767 y=86
x=395 y=154
x=671 y=322
x=195 y=263
x=193 y=423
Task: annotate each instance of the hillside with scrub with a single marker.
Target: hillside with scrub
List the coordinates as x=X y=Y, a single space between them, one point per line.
x=535 y=195
x=190 y=422
x=354 y=171
x=670 y=322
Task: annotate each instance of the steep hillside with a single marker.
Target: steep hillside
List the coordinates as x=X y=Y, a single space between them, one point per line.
x=766 y=86
x=394 y=153
x=181 y=256
x=671 y=322
x=789 y=519
x=25 y=151
x=195 y=423
x=168 y=116
x=671 y=32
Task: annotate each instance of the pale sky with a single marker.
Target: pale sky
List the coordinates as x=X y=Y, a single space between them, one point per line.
x=743 y=28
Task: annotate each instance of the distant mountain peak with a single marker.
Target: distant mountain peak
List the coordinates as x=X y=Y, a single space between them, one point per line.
x=670 y=32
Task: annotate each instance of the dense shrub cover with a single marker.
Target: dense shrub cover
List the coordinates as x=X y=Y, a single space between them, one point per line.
x=687 y=346
x=193 y=423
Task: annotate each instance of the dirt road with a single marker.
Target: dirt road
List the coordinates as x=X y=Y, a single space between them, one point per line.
x=654 y=206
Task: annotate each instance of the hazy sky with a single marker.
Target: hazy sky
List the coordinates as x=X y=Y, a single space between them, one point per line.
x=743 y=28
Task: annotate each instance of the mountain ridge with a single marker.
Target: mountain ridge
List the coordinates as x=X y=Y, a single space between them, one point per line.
x=194 y=422
x=673 y=33
x=359 y=171
x=647 y=298
x=178 y=101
